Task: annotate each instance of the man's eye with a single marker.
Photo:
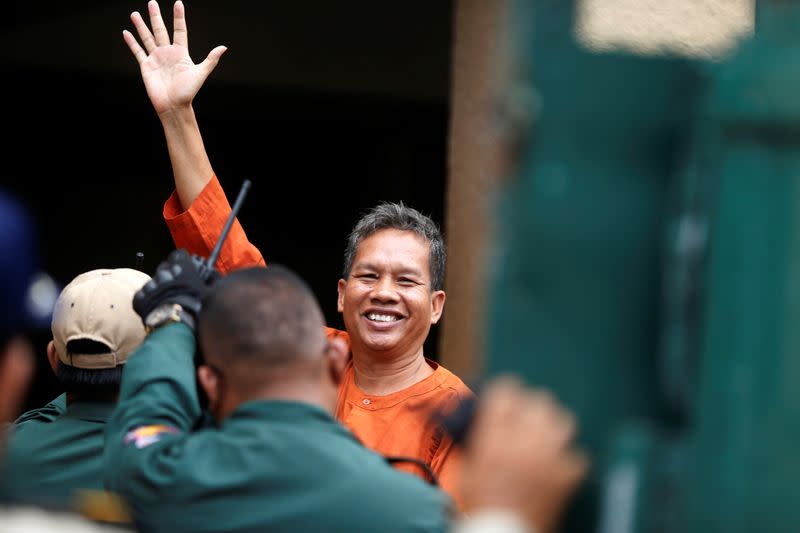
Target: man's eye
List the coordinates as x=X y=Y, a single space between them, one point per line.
x=407 y=281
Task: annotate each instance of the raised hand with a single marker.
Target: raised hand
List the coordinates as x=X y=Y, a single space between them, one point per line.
x=170 y=76
x=181 y=279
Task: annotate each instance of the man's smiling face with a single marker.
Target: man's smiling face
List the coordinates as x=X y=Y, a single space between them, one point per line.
x=387 y=302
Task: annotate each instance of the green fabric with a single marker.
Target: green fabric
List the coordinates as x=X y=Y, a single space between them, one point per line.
x=56 y=450
x=271 y=466
x=48 y=413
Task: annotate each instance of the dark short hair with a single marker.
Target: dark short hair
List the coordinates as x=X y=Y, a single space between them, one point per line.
x=89 y=383
x=388 y=215
x=267 y=316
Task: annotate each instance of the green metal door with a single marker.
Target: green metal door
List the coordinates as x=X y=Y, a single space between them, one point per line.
x=648 y=272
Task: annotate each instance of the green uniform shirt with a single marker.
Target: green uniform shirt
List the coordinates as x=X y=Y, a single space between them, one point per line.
x=56 y=450
x=271 y=466
x=48 y=413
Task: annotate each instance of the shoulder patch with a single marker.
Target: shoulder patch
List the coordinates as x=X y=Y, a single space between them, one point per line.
x=144 y=436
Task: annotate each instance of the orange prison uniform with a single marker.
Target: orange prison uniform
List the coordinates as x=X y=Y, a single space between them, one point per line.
x=395 y=425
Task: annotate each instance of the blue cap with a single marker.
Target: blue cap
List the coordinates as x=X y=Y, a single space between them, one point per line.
x=25 y=301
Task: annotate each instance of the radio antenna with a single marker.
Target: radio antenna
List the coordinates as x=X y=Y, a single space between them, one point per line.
x=212 y=259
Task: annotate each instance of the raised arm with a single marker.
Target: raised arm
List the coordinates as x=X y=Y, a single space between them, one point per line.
x=172 y=80
x=158 y=404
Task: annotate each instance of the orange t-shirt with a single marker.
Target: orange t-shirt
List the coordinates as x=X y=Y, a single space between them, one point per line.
x=396 y=425
x=402 y=424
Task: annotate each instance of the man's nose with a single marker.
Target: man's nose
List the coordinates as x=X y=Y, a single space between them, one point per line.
x=384 y=290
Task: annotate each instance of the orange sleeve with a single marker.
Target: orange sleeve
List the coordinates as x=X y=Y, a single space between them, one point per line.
x=197 y=229
x=447 y=466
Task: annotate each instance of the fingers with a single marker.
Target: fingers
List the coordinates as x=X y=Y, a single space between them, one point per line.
x=144 y=33
x=496 y=420
x=137 y=50
x=212 y=59
x=496 y=410
x=497 y=404
x=539 y=410
x=159 y=35
x=157 y=23
x=164 y=275
x=180 y=35
x=179 y=254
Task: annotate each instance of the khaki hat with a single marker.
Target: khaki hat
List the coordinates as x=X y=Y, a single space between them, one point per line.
x=98 y=306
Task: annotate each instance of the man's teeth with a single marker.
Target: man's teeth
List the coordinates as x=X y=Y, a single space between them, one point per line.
x=381 y=318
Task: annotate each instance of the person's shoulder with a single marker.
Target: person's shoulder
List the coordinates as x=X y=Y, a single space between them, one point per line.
x=29 y=426
x=453 y=383
x=46 y=414
x=30 y=419
x=26 y=434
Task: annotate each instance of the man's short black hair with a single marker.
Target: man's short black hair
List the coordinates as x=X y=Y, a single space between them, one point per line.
x=267 y=316
x=89 y=383
x=388 y=215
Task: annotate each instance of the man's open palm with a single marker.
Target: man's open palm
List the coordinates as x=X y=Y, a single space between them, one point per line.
x=170 y=77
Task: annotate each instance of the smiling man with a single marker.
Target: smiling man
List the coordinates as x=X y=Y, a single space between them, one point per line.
x=390 y=295
x=391 y=290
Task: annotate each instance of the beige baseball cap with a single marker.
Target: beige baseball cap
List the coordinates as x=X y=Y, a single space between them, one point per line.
x=98 y=306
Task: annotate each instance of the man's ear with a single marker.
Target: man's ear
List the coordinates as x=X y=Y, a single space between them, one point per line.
x=340 y=300
x=52 y=356
x=338 y=354
x=210 y=382
x=437 y=305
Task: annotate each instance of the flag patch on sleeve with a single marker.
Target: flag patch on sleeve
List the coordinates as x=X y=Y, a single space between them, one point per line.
x=144 y=436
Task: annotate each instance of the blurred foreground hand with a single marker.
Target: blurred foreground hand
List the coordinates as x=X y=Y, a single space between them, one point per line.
x=519 y=459
x=16 y=371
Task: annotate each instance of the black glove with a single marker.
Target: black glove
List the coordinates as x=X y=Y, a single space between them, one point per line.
x=182 y=279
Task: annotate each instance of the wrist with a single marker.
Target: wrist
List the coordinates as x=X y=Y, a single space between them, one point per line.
x=167 y=313
x=177 y=116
